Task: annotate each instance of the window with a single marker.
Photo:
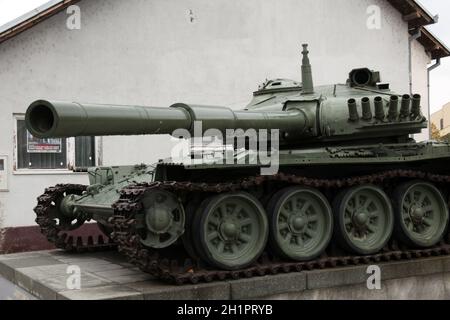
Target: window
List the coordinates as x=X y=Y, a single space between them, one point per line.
x=45 y=154
x=85 y=151
x=35 y=153
x=442 y=124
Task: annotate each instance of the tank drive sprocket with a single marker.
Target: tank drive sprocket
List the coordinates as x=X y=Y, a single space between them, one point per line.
x=61 y=230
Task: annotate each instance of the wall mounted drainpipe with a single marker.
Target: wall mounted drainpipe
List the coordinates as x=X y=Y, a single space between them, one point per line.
x=431 y=68
x=413 y=37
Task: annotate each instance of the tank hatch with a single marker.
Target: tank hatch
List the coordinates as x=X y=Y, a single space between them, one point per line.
x=278 y=85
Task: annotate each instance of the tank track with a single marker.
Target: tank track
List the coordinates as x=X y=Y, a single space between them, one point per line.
x=62 y=239
x=163 y=265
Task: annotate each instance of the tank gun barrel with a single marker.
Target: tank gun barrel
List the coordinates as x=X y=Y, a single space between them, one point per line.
x=49 y=119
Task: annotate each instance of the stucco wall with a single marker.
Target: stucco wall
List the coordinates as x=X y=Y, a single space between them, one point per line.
x=444 y=114
x=153 y=53
x=420 y=62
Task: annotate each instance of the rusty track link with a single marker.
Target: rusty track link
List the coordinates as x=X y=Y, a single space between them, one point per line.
x=61 y=238
x=182 y=271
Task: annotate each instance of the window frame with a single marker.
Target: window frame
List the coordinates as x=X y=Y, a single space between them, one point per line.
x=70 y=155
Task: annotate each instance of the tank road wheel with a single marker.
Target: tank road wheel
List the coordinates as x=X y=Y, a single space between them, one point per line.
x=230 y=230
x=364 y=219
x=421 y=214
x=301 y=223
x=163 y=220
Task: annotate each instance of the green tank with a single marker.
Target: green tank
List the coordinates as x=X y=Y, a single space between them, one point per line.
x=303 y=177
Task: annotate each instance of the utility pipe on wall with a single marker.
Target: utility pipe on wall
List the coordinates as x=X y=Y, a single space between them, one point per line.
x=413 y=37
x=431 y=68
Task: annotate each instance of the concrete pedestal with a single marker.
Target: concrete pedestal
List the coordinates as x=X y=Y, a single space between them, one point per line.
x=52 y=275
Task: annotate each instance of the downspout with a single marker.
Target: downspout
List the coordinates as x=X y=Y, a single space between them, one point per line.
x=413 y=37
x=431 y=68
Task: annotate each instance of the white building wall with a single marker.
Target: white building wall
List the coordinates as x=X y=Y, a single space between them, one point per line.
x=421 y=61
x=152 y=53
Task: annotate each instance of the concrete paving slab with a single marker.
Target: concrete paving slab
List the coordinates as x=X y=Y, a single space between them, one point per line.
x=354 y=292
x=44 y=272
x=156 y=290
x=7 y=272
x=98 y=267
x=9 y=265
x=10 y=291
x=46 y=282
x=406 y=269
x=119 y=272
x=129 y=279
x=24 y=255
x=30 y=262
x=113 y=292
x=43 y=291
x=447 y=285
x=336 y=277
x=446 y=264
x=268 y=285
x=82 y=260
x=430 y=287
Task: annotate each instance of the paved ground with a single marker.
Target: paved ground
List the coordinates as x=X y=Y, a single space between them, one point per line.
x=53 y=275
x=9 y=291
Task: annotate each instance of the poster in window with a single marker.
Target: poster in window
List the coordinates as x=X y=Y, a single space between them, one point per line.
x=36 y=145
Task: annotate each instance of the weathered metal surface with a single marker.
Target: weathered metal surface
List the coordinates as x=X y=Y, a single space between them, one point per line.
x=63 y=235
